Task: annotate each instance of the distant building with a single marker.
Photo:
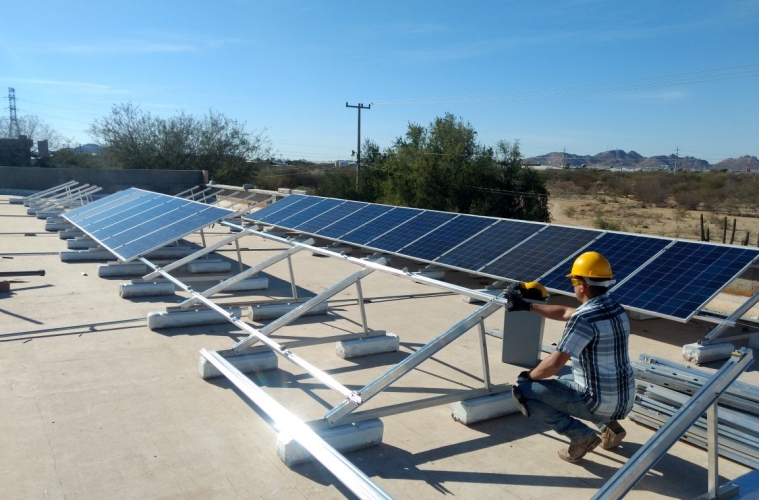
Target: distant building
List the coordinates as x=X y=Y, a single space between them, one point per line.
x=16 y=152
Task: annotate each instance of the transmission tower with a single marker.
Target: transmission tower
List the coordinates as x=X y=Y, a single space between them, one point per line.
x=13 y=125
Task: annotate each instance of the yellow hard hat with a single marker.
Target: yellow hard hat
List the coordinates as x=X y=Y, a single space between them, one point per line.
x=594 y=268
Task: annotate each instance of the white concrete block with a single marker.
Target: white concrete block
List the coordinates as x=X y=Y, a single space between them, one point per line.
x=700 y=354
x=249 y=284
x=121 y=270
x=245 y=363
x=200 y=266
x=85 y=255
x=165 y=319
x=639 y=316
x=127 y=290
x=344 y=438
x=273 y=311
x=81 y=244
x=475 y=410
x=365 y=346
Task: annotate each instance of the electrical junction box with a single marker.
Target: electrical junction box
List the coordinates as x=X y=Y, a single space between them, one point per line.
x=522 y=338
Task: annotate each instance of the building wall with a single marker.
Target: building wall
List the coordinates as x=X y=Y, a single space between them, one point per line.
x=160 y=181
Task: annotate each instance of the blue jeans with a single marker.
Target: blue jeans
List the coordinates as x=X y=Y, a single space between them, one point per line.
x=556 y=402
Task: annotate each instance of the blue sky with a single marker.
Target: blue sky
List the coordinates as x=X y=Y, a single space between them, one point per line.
x=585 y=75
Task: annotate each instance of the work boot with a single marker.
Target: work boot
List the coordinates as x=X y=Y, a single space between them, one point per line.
x=518 y=398
x=612 y=435
x=578 y=450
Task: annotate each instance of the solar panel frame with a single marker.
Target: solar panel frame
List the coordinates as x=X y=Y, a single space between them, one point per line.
x=309 y=213
x=380 y=225
x=359 y=218
x=303 y=204
x=122 y=212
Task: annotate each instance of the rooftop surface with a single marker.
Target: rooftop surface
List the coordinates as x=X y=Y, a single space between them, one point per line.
x=96 y=405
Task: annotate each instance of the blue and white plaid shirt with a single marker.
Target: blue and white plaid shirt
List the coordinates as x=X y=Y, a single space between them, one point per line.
x=596 y=338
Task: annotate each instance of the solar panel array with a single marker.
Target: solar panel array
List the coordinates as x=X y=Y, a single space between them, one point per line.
x=661 y=276
x=133 y=222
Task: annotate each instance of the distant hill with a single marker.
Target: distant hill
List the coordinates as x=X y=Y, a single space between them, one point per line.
x=618 y=158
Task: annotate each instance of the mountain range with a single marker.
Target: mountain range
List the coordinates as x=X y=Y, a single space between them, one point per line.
x=618 y=158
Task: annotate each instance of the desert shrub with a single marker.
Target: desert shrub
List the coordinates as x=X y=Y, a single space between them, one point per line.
x=607 y=224
x=570 y=212
x=650 y=190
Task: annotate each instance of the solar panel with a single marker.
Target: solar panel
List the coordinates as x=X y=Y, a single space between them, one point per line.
x=309 y=213
x=385 y=222
x=352 y=221
x=263 y=214
x=685 y=277
x=134 y=222
x=625 y=252
x=446 y=237
x=411 y=230
x=97 y=206
x=330 y=216
x=274 y=218
x=117 y=213
x=485 y=246
x=540 y=253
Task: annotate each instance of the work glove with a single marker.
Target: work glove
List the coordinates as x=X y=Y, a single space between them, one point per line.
x=524 y=377
x=517 y=292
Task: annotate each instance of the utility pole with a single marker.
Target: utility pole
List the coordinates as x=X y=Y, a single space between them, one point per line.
x=359 y=107
x=677 y=155
x=14 y=120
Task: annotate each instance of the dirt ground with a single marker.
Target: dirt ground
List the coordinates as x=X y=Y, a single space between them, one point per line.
x=625 y=214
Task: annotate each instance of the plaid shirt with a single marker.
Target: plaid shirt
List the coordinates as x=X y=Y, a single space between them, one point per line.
x=596 y=339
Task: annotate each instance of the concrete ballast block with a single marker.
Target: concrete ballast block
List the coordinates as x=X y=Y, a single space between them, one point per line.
x=68 y=234
x=85 y=255
x=365 y=346
x=81 y=244
x=127 y=290
x=209 y=267
x=477 y=409
x=245 y=363
x=165 y=319
x=249 y=284
x=344 y=438
x=121 y=270
x=273 y=311
x=700 y=354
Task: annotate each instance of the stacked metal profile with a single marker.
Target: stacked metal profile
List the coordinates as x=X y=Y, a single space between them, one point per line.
x=664 y=386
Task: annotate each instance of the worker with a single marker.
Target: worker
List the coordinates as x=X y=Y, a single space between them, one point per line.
x=601 y=387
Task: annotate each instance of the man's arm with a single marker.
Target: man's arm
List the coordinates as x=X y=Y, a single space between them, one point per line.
x=550 y=365
x=557 y=312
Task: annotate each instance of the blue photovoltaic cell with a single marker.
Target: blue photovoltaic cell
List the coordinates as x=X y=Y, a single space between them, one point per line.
x=625 y=252
x=380 y=225
x=352 y=221
x=122 y=212
x=329 y=217
x=167 y=229
x=262 y=214
x=304 y=204
x=446 y=237
x=489 y=244
x=105 y=232
x=414 y=229
x=309 y=213
x=683 y=278
x=104 y=203
x=540 y=253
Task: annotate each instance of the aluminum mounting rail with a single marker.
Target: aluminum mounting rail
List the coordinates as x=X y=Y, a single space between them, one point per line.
x=656 y=447
x=49 y=192
x=347 y=473
x=716 y=333
x=411 y=362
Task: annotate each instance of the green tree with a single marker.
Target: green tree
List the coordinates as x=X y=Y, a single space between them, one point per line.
x=36 y=129
x=134 y=138
x=443 y=167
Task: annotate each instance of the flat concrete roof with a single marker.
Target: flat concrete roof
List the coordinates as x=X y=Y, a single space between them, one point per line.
x=96 y=405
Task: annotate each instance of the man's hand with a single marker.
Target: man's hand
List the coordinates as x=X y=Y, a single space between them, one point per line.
x=514 y=295
x=524 y=377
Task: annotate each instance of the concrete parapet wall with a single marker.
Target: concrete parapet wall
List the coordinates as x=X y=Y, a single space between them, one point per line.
x=161 y=181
